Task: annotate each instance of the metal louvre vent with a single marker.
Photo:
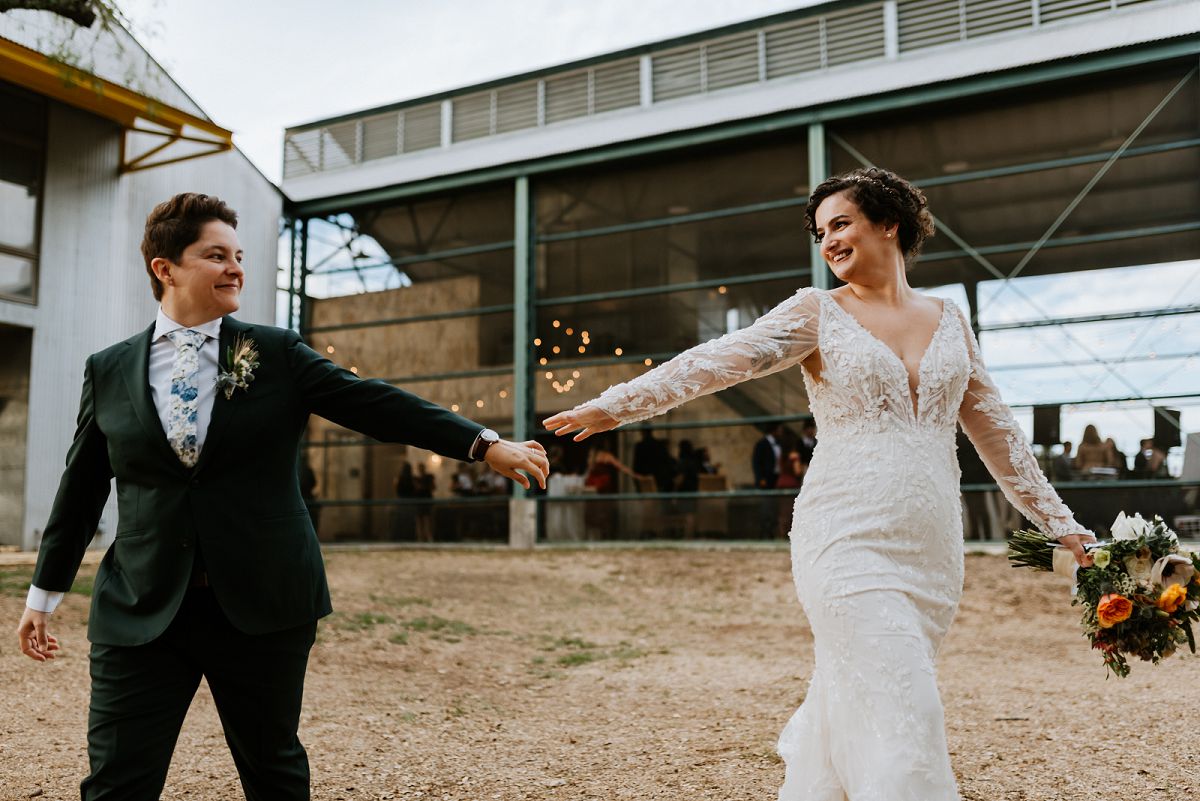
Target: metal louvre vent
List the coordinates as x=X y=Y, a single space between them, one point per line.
x=516 y=107
x=422 y=127
x=854 y=35
x=925 y=23
x=381 y=136
x=731 y=62
x=339 y=145
x=617 y=85
x=1061 y=9
x=793 y=48
x=984 y=17
x=567 y=96
x=472 y=116
x=677 y=74
x=301 y=153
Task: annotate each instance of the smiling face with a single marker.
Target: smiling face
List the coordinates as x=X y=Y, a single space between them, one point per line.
x=851 y=244
x=206 y=282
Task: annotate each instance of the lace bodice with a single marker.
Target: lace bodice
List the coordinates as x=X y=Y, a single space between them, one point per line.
x=863 y=388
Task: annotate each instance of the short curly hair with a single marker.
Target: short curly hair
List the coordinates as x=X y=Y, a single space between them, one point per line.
x=883 y=197
x=174 y=224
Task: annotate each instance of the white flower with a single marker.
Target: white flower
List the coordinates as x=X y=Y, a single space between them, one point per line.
x=1172 y=569
x=1139 y=567
x=1129 y=528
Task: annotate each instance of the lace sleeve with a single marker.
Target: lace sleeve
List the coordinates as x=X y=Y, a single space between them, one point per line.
x=782 y=337
x=989 y=424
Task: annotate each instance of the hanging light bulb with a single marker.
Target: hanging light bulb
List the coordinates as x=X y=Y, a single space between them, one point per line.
x=582 y=349
x=454 y=407
x=504 y=393
x=570 y=331
x=329 y=349
x=549 y=374
x=618 y=351
x=537 y=342
x=556 y=323
x=649 y=362
x=556 y=349
x=575 y=374
x=479 y=403
x=542 y=360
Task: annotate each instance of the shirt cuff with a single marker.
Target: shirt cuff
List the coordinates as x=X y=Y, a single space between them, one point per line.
x=474 y=445
x=40 y=600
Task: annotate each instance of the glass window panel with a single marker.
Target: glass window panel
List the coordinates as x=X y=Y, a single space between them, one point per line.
x=22 y=114
x=447 y=284
x=417 y=348
x=16 y=277
x=744 y=244
x=20 y=185
x=664 y=186
x=444 y=223
x=657 y=324
x=1087 y=115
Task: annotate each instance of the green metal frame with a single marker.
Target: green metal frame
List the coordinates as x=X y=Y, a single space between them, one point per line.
x=1034 y=75
x=813 y=121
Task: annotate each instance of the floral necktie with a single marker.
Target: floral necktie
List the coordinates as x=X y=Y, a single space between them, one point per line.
x=181 y=416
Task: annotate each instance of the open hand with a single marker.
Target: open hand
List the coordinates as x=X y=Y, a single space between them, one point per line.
x=32 y=638
x=587 y=420
x=506 y=458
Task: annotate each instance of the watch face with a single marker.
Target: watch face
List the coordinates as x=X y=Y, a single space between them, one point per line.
x=487 y=435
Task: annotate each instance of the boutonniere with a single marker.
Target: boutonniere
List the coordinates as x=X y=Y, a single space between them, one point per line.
x=242 y=361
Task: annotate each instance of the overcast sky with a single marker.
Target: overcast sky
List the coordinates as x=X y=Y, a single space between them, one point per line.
x=257 y=67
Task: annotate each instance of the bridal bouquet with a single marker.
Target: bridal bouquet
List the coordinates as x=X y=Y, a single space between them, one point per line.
x=1139 y=598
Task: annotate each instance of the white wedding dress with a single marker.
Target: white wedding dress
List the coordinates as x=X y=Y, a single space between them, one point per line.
x=876 y=537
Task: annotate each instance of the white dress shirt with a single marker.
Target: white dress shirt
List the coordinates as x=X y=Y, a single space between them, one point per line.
x=162 y=361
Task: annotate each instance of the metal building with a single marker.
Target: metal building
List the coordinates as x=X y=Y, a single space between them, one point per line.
x=94 y=134
x=512 y=248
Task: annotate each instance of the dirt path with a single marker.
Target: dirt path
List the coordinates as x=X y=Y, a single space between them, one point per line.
x=627 y=675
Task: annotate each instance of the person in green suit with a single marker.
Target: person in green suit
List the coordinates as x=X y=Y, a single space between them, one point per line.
x=215 y=570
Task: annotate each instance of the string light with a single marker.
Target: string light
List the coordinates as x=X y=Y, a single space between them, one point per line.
x=479 y=403
x=582 y=349
x=583 y=334
x=618 y=351
x=575 y=374
x=556 y=323
x=556 y=349
x=542 y=360
x=537 y=342
x=721 y=290
x=549 y=374
x=570 y=331
x=329 y=349
x=649 y=362
x=354 y=369
x=504 y=393
x=454 y=407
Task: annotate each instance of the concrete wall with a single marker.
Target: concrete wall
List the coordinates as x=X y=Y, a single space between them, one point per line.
x=92 y=286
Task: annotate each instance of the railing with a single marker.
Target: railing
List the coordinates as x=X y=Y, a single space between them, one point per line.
x=859 y=34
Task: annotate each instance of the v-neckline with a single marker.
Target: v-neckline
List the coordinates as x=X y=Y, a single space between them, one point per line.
x=914 y=395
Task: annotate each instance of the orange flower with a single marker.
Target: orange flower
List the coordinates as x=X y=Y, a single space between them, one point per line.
x=1113 y=609
x=1172 y=598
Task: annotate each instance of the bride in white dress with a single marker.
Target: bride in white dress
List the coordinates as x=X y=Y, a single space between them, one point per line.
x=876 y=537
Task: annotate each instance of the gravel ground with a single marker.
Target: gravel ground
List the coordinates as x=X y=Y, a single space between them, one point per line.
x=627 y=674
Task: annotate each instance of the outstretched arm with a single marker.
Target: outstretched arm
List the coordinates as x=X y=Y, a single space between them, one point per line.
x=782 y=337
x=1002 y=446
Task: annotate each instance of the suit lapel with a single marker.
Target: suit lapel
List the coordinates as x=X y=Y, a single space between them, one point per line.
x=136 y=373
x=223 y=409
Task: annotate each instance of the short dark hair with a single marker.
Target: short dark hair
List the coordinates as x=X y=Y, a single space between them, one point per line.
x=883 y=197
x=174 y=224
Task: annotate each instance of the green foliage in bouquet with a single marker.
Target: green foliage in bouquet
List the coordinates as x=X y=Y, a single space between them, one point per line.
x=1141 y=596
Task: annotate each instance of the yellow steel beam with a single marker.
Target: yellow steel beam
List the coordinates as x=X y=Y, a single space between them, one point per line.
x=32 y=70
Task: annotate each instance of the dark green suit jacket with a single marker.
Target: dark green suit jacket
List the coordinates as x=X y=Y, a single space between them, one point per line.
x=240 y=505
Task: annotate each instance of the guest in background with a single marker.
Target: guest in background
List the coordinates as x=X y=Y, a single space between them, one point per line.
x=765 y=459
x=1060 y=466
x=791 y=465
x=1092 y=453
x=1118 y=459
x=1151 y=461
x=707 y=465
x=424 y=484
x=405 y=487
x=808 y=441
x=651 y=457
x=603 y=470
x=464 y=481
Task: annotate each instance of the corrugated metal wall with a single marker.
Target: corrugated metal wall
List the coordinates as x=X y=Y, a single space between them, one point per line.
x=93 y=290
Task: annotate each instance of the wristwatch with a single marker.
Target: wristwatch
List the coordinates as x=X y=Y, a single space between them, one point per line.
x=486 y=439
